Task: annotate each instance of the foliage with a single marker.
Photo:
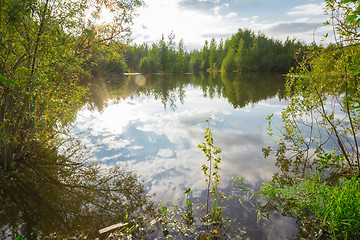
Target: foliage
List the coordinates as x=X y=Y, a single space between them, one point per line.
x=107 y=61
x=164 y=57
x=322 y=111
x=214 y=55
x=211 y=173
x=205 y=54
x=133 y=55
x=195 y=61
x=229 y=64
x=258 y=53
x=315 y=184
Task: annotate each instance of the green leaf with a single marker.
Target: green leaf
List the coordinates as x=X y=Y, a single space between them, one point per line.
x=164 y=209
x=269 y=117
x=21 y=237
x=4 y=80
x=357 y=22
x=351 y=18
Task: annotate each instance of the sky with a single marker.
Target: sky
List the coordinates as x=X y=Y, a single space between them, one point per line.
x=195 y=21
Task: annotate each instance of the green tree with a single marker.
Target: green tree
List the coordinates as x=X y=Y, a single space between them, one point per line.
x=172 y=55
x=134 y=54
x=163 y=55
x=180 y=65
x=323 y=86
x=195 y=61
x=150 y=63
x=221 y=53
x=252 y=53
x=239 y=58
x=259 y=53
x=108 y=60
x=229 y=64
x=205 y=56
x=213 y=55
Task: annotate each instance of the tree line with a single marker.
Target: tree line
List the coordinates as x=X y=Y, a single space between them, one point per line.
x=245 y=51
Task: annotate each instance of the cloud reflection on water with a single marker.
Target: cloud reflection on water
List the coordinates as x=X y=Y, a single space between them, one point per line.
x=161 y=145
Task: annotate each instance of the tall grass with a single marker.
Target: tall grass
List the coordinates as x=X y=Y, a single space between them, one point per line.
x=327 y=207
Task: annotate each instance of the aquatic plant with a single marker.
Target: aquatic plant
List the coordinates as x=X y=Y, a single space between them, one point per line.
x=208 y=221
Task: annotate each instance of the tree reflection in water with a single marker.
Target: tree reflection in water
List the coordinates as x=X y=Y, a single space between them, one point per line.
x=58 y=194
x=239 y=89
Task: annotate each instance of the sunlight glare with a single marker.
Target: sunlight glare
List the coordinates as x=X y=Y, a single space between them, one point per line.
x=140 y=80
x=116 y=117
x=100 y=16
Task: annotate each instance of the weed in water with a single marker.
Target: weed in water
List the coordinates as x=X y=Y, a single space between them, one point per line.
x=192 y=222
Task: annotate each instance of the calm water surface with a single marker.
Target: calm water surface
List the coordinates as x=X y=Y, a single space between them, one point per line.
x=154 y=124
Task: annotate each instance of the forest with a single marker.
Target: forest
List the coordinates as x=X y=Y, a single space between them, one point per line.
x=245 y=51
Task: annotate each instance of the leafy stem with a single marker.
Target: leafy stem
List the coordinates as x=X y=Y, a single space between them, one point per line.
x=211 y=171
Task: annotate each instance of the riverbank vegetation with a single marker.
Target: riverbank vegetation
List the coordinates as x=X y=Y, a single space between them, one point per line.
x=318 y=151
x=245 y=51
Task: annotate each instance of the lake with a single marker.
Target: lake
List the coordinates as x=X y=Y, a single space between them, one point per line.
x=154 y=124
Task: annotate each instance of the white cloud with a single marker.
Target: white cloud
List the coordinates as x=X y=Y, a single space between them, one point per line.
x=205 y=6
x=165 y=153
x=114 y=157
x=250 y=20
x=231 y=15
x=308 y=9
